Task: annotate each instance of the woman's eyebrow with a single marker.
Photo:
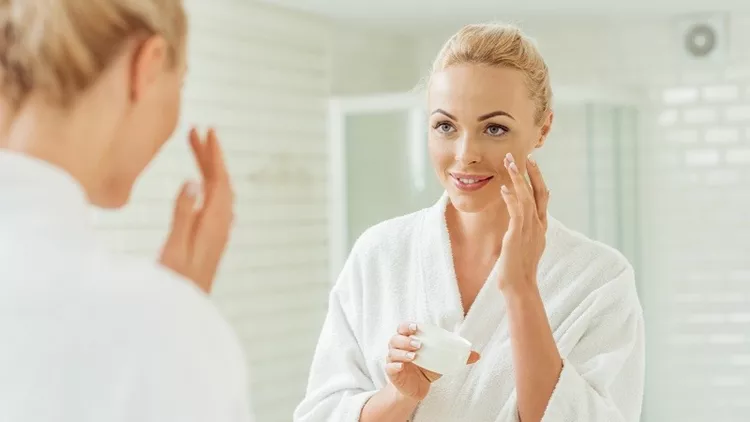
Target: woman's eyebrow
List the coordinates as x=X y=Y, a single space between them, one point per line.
x=493 y=114
x=440 y=111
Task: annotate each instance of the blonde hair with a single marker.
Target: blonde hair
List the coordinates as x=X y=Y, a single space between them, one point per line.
x=59 y=48
x=500 y=45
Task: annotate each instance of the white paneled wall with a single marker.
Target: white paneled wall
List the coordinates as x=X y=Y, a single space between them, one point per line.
x=365 y=62
x=262 y=77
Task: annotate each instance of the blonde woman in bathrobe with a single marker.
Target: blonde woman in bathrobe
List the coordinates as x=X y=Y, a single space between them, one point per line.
x=89 y=93
x=554 y=315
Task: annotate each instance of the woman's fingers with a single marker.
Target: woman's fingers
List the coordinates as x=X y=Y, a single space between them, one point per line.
x=219 y=194
x=184 y=211
x=520 y=186
x=180 y=239
x=210 y=158
x=216 y=157
x=541 y=192
x=200 y=153
x=212 y=230
x=394 y=368
x=515 y=210
x=405 y=343
x=407 y=328
x=397 y=355
x=178 y=249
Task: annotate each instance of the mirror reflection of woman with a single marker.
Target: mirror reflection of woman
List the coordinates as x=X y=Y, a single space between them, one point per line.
x=89 y=93
x=553 y=316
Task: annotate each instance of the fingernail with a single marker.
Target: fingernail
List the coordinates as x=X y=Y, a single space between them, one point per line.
x=509 y=157
x=531 y=160
x=399 y=365
x=193 y=188
x=504 y=189
x=513 y=167
x=410 y=355
x=416 y=344
x=413 y=327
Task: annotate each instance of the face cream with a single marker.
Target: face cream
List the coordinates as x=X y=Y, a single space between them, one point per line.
x=442 y=351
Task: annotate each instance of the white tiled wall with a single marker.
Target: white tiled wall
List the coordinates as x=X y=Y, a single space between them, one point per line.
x=700 y=232
x=262 y=77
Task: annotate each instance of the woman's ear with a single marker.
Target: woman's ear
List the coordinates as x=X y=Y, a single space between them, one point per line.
x=546 y=127
x=148 y=61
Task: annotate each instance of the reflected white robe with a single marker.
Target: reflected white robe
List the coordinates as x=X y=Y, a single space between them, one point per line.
x=402 y=270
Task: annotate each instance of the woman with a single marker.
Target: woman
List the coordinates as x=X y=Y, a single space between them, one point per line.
x=90 y=92
x=554 y=315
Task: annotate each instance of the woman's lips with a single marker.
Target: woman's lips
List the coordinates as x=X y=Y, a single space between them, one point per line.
x=470 y=183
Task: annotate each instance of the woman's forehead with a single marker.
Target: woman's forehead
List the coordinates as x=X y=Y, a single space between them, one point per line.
x=477 y=90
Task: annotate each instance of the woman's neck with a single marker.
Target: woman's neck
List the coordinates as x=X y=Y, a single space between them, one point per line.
x=479 y=231
x=59 y=139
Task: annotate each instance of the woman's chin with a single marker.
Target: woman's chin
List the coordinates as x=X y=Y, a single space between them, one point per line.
x=469 y=202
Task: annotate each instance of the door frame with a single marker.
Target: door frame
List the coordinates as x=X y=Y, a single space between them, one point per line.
x=339 y=108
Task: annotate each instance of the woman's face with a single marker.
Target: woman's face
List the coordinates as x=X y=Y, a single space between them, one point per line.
x=478 y=115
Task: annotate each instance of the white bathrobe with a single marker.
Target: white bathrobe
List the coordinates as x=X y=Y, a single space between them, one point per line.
x=401 y=270
x=87 y=336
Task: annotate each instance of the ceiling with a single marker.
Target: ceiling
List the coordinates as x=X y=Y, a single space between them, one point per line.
x=422 y=13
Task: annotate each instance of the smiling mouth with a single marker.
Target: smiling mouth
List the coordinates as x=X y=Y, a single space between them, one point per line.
x=466 y=180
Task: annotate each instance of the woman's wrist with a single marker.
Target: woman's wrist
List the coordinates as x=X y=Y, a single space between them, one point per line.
x=400 y=399
x=525 y=291
x=388 y=404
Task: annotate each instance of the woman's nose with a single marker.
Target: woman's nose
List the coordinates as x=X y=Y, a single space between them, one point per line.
x=467 y=151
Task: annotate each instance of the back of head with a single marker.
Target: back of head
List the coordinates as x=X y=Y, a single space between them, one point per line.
x=58 y=48
x=92 y=86
x=500 y=45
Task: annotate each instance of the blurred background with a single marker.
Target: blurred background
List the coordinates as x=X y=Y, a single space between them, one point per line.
x=324 y=133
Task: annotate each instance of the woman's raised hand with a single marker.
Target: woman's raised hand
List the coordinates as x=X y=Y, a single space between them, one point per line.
x=200 y=229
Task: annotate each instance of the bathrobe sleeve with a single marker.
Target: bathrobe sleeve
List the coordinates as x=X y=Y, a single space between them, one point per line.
x=603 y=373
x=339 y=384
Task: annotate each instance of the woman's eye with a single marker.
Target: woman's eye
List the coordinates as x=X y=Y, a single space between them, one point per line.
x=444 y=127
x=495 y=130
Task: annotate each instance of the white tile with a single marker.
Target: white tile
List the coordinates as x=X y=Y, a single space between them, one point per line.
x=716 y=135
x=682 y=95
x=738 y=156
x=702 y=157
x=721 y=177
x=700 y=115
x=680 y=136
x=738 y=113
x=721 y=93
x=668 y=117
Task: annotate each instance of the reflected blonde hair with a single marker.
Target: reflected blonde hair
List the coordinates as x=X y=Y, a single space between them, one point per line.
x=500 y=45
x=59 y=48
